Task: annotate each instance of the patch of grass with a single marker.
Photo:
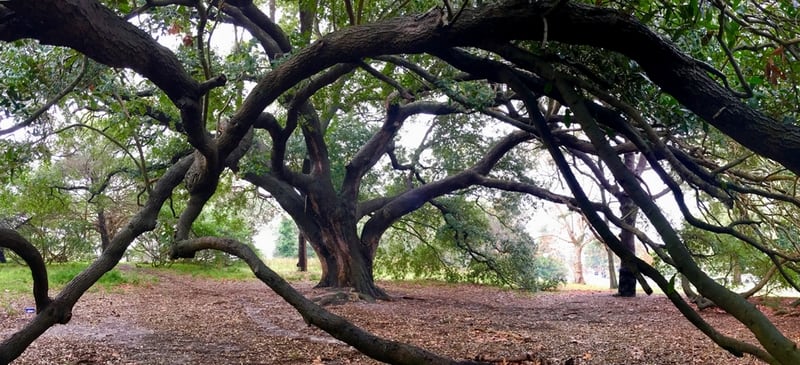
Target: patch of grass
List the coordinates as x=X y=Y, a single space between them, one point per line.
x=582 y=287
x=16 y=279
x=287 y=268
x=236 y=271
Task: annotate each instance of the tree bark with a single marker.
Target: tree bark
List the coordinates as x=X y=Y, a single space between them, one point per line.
x=628 y=211
x=302 y=257
x=346 y=262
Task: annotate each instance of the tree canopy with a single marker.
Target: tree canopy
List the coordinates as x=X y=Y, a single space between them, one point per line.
x=353 y=115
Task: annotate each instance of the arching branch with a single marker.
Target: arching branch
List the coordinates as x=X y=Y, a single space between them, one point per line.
x=19 y=245
x=380 y=349
x=736 y=347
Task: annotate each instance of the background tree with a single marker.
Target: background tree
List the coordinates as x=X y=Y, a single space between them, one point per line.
x=286 y=241
x=467 y=242
x=578 y=236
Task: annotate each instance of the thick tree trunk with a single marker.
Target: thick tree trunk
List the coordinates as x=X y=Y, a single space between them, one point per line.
x=629 y=210
x=346 y=262
x=627 y=279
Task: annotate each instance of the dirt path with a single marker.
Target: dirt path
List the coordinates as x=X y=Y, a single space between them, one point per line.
x=185 y=320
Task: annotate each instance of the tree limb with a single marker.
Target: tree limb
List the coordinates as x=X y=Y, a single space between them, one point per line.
x=388 y=351
x=19 y=245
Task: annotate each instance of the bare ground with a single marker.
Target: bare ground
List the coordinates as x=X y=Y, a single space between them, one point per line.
x=185 y=320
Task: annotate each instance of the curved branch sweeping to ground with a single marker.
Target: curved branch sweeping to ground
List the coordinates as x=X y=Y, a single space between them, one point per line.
x=14 y=241
x=734 y=346
x=60 y=309
x=380 y=349
x=782 y=348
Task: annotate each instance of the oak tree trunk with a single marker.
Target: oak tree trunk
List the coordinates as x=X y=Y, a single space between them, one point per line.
x=629 y=210
x=345 y=261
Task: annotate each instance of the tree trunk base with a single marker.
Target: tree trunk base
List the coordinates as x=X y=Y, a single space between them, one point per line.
x=627 y=283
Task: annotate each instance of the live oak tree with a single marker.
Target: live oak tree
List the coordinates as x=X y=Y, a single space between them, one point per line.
x=614 y=82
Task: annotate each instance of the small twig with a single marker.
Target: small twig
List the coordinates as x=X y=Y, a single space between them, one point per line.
x=404 y=93
x=748 y=92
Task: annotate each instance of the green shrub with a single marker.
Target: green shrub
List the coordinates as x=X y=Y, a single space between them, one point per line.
x=468 y=247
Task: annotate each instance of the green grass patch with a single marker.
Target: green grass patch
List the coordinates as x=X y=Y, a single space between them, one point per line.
x=235 y=271
x=285 y=267
x=16 y=279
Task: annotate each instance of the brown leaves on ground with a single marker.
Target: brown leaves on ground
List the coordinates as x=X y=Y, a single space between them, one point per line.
x=185 y=320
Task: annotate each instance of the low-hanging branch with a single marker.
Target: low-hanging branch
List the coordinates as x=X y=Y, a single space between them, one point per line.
x=380 y=349
x=734 y=346
x=773 y=341
x=14 y=241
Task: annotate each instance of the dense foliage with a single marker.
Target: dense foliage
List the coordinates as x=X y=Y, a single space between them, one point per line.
x=466 y=245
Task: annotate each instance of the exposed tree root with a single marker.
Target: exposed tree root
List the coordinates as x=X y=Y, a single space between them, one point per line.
x=341 y=296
